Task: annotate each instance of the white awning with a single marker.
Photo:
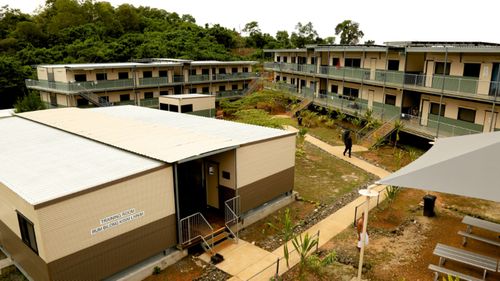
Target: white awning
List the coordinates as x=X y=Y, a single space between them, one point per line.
x=465 y=165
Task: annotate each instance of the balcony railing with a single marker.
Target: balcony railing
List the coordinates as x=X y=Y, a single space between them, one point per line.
x=229 y=94
x=153 y=81
x=463 y=86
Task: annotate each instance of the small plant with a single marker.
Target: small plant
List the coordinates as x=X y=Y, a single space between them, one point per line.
x=392 y=192
x=329 y=259
x=309 y=119
x=451 y=278
x=156 y=270
x=341 y=116
x=356 y=122
x=286 y=232
x=398 y=126
x=302 y=132
x=303 y=247
x=368 y=115
x=330 y=123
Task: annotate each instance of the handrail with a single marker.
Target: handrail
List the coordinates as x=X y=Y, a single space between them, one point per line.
x=231 y=215
x=192 y=227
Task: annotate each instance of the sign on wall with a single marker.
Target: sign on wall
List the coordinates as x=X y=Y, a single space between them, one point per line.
x=116 y=220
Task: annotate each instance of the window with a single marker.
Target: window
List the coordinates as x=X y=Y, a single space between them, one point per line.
x=82 y=102
x=390 y=99
x=173 y=108
x=302 y=83
x=27 y=232
x=350 y=92
x=222 y=71
x=163 y=73
x=234 y=70
x=80 y=77
x=472 y=69
x=352 y=63
x=292 y=81
x=334 y=89
x=101 y=76
x=278 y=59
x=226 y=175
x=293 y=59
x=435 y=108
x=285 y=59
x=313 y=60
x=205 y=90
x=163 y=106
x=205 y=71
x=104 y=98
x=245 y=69
x=439 y=68
x=393 y=65
x=467 y=115
x=186 y=108
x=278 y=78
x=147 y=74
x=336 y=61
x=148 y=95
x=302 y=60
x=163 y=93
x=122 y=75
x=234 y=87
x=284 y=78
x=193 y=90
x=222 y=88
x=192 y=72
x=125 y=97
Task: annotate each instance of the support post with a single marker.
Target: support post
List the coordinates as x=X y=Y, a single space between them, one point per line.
x=367 y=193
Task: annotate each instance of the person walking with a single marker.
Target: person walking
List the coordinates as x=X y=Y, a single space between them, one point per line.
x=347 y=142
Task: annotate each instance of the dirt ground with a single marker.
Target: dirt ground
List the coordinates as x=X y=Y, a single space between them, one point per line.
x=402 y=239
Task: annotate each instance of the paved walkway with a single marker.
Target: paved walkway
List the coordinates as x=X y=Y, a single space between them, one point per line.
x=245 y=261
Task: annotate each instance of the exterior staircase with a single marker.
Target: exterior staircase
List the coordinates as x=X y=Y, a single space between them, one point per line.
x=378 y=134
x=94 y=99
x=258 y=83
x=303 y=104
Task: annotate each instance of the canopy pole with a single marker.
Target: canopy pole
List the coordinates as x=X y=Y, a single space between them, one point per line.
x=367 y=193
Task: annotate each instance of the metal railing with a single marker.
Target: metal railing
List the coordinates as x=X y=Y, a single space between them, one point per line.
x=232 y=216
x=229 y=94
x=430 y=127
x=149 y=102
x=364 y=203
x=276 y=264
x=458 y=85
x=194 y=227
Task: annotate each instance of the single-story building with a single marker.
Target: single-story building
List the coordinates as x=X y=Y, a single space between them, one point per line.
x=197 y=104
x=91 y=192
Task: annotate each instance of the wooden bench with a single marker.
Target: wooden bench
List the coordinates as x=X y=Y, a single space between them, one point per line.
x=477 y=237
x=466 y=257
x=439 y=269
x=475 y=222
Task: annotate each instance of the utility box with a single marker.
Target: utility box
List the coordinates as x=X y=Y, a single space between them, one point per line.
x=429 y=202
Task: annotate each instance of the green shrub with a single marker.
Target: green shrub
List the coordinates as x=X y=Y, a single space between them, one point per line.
x=156 y=270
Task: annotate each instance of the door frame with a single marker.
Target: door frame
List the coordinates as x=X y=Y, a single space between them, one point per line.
x=207 y=175
x=425 y=119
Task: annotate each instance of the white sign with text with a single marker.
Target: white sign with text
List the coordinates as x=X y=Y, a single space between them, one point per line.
x=117 y=219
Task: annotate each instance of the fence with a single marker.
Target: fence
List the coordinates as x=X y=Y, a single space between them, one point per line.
x=363 y=203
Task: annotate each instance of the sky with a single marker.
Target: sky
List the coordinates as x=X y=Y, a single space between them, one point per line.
x=382 y=20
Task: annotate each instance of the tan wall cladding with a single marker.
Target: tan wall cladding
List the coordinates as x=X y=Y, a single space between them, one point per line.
x=60 y=75
x=200 y=103
x=66 y=225
x=263 y=159
x=10 y=202
x=226 y=163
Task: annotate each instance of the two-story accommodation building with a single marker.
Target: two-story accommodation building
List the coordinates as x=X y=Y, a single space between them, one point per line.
x=406 y=80
x=138 y=83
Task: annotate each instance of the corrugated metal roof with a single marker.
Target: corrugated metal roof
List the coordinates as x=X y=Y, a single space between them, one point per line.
x=6 y=113
x=88 y=66
x=158 y=134
x=40 y=163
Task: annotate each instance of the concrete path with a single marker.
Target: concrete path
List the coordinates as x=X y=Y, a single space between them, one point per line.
x=245 y=261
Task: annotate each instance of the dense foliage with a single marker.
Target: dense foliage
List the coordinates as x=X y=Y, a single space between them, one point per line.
x=77 y=31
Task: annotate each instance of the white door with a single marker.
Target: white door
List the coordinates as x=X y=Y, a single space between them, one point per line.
x=425 y=112
x=212 y=175
x=488 y=125
x=371 y=96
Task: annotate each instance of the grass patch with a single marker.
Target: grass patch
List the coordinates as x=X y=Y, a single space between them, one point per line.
x=261 y=118
x=328 y=135
x=322 y=178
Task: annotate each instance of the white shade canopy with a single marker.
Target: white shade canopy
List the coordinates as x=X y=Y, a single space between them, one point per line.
x=465 y=165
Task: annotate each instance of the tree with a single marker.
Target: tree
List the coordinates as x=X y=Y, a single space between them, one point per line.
x=282 y=39
x=31 y=102
x=251 y=28
x=370 y=42
x=349 y=32
x=330 y=40
x=306 y=34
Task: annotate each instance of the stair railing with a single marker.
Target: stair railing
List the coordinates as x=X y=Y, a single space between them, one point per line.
x=231 y=215
x=194 y=227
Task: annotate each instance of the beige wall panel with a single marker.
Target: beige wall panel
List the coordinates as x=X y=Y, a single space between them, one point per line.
x=60 y=75
x=483 y=87
x=415 y=62
x=226 y=163
x=10 y=202
x=62 y=99
x=112 y=74
x=200 y=103
x=263 y=159
x=66 y=225
x=41 y=73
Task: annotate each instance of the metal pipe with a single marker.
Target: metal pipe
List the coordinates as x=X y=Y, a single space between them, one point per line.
x=442 y=89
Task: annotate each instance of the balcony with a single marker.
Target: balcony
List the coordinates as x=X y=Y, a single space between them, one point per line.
x=451 y=85
x=229 y=94
x=199 y=78
x=153 y=81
